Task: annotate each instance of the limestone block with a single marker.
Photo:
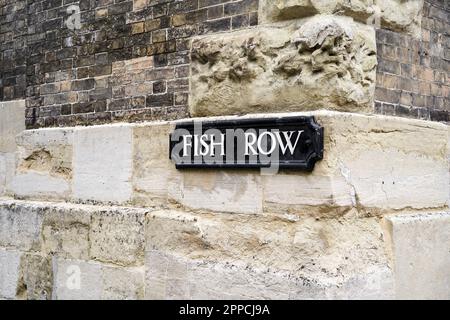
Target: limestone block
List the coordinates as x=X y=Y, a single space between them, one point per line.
x=36 y=277
x=165 y=277
x=373 y=163
x=307 y=190
x=7 y=168
x=77 y=280
x=20 y=226
x=12 y=122
x=9 y=273
x=102 y=163
x=39 y=186
x=376 y=283
x=123 y=283
x=420 y=250
x=3 y=171
x=216 y=281
x=151 y=166
x=322 y=62
x=387 y=161
x=396 y=15
x=330 y=254
x=46 y=150
x=44 y=164
x=226 y=191
x=171 y=277
x=182 y=232
x=155 y=179
x=65 y=232
x=81 y=280
x=117 y=236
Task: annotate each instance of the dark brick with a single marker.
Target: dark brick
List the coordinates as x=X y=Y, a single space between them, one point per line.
x=215 y=26
x=137 y=102
x=182 y=6
x=66 y=109
x=215 y=12
x=386 y=95
x=119 y=104
x=244 y=6
x=99 y=70
x=241 y=21
x=159 y=87
x=121 y=7
x=160 y=100
x=388 y=66
x=160 y=60
x=81 y=85
x=439 y=115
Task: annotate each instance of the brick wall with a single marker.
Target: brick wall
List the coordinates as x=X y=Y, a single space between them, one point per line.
x=128 y=61
x=13 y=49
x=413 y=78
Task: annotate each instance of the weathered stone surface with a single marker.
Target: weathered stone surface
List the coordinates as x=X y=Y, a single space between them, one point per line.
x=77 y=280
x=224 y=191
x=329 y=254
x=117 y=236
x=223 y=256
x=44 y=164
x=9 y=273
x=420 y=249
x=373 y=163
x=48 y=151
x=308 y=191
x=20 y=226
x=169 y=277
x=39 y=186
x=102 y=164
x=81 y=280
x=156 y=181
x=165 y=277
x=130 y=163
x=65 y=232
x=385 y=159
x=323 y=62
x=36 y=277
x=396 y=15
x=7 y=168
x=396 y=148
x=123 y=283
x=151 y=168
x=12 y=122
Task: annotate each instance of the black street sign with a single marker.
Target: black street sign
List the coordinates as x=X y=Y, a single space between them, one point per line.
x=285 y=142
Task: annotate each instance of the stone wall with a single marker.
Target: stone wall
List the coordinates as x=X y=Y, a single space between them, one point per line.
x=100 y=212
x=413 y=78
x=13 y=49
x=11 y=124
x=128 y=164
x=130 y=59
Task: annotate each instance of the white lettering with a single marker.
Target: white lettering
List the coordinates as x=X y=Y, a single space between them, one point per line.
x=273 y=144
x=205 y=147
x=221 y=143
x=186 y=145
x=248 y=144
x=288 y=137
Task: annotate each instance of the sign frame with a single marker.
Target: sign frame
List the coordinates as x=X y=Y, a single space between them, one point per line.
x=315 y=140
